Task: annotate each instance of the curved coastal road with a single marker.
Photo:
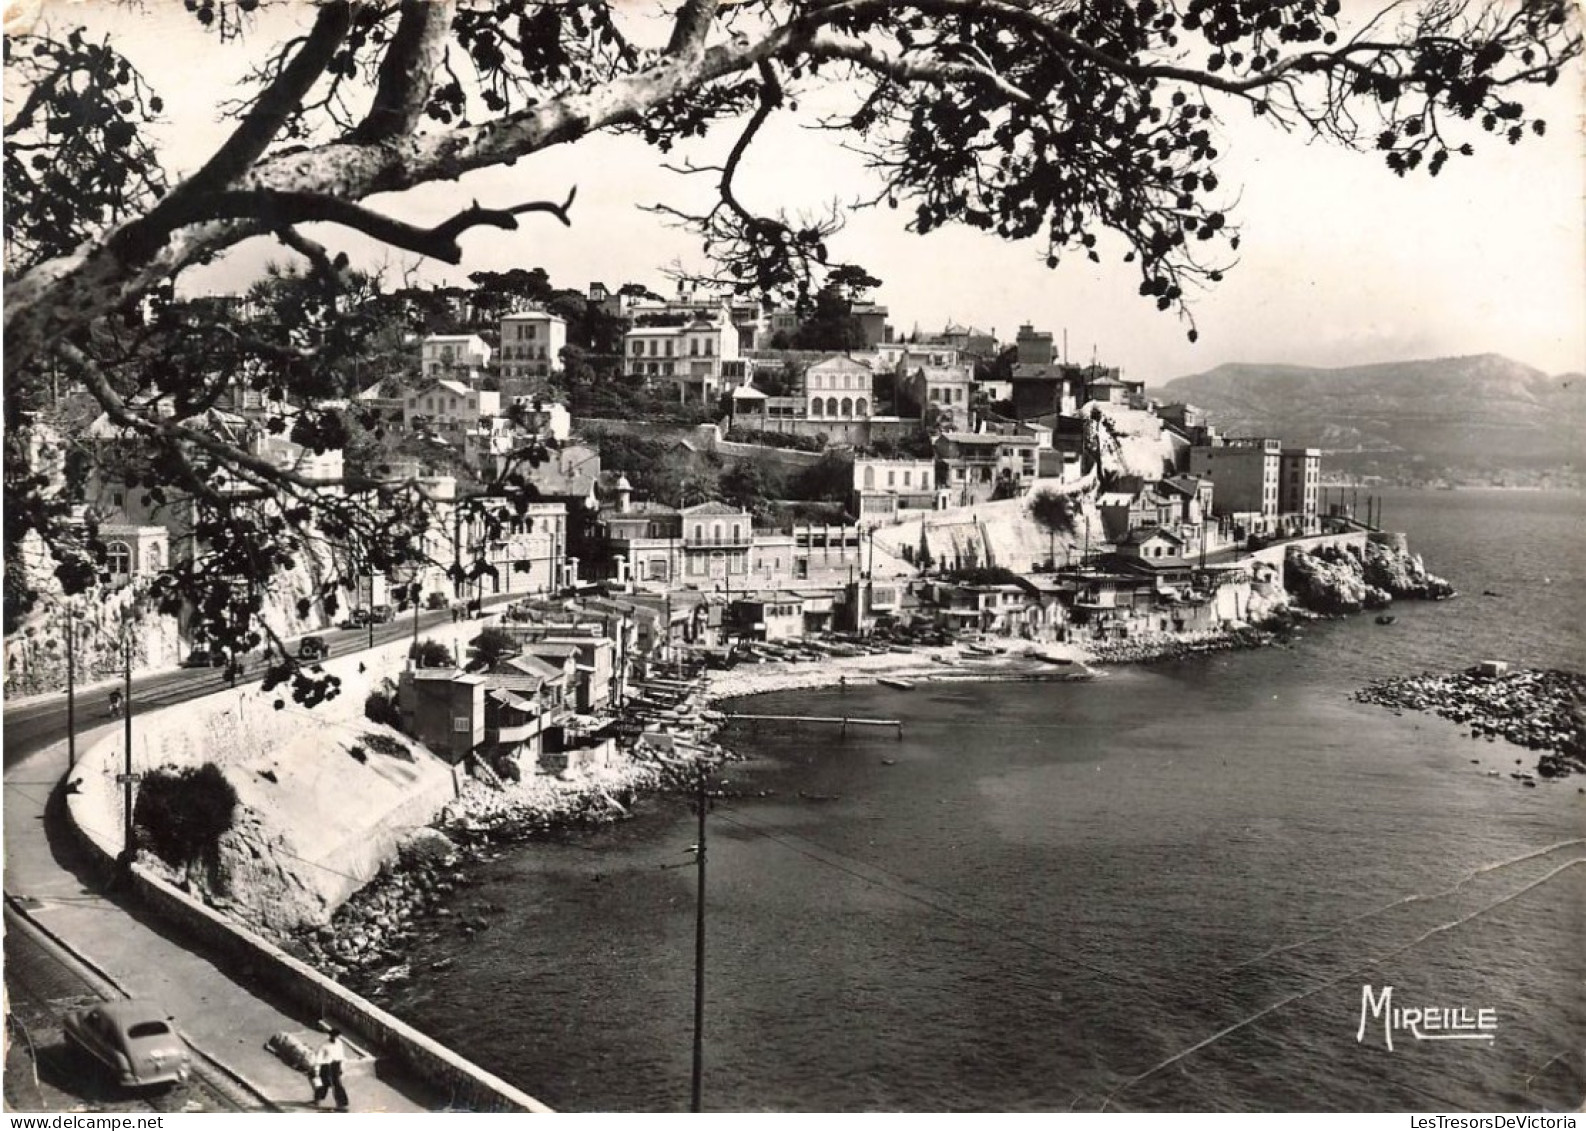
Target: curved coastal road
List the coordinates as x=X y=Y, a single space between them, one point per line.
x=33 y=725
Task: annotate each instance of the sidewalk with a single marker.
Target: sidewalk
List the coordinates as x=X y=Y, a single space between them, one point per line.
x=56 y=884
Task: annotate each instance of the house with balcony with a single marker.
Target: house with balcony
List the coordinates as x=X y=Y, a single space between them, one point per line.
x=696 y=359
x=1004 y=609
x=976 y=467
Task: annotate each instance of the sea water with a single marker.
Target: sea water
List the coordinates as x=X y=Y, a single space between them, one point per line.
x=1164 y=890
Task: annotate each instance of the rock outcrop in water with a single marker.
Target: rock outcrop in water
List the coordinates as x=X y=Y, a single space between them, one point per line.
x=1347 y=579
x=1541 y=710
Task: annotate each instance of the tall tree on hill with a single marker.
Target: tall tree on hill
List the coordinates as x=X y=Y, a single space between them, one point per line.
x=831 y=325
x=1036 y=119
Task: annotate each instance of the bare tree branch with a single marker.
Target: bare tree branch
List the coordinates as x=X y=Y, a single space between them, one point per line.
x=439 y=242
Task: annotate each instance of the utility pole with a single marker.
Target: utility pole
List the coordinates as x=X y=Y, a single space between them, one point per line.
x=129 y=846
x=699 y=948
x=71 y=684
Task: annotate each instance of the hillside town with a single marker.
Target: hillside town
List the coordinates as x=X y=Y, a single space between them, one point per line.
x=795 y=487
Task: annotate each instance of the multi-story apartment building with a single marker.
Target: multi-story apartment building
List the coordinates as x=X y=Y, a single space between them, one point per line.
x=1299 y=473
x=1247 y=475
x=531 y=344
x=696 y=360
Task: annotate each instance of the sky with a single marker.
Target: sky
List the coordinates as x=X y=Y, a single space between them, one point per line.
x=1341 y=262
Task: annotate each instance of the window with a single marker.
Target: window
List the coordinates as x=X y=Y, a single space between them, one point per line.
x=638 y=348
x=860 y=406
x=118 y=556
x=870 y=478
x=906 y=475
x=461 y=724
x=891 y=478
x=709 y=346
x=816 y=407
x=693 y=347
x=831 y=406
x=848 y=406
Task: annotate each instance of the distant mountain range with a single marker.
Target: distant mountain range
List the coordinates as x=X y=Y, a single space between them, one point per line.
x=1445 y=418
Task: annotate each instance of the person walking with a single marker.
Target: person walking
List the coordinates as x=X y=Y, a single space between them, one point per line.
x=328 y=1061
x=115 y=704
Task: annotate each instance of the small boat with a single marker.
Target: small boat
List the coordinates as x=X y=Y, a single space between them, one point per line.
x=1386 y=619
x=899 y=684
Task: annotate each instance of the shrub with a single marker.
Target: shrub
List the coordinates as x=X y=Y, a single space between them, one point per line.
x=379 y=708
x=390 y=747
x=431 y=654
x=182 y=814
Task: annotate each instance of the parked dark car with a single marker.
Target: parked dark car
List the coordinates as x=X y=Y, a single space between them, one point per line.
x=358 y=618
x=380 y=614
x=134 y=1039
x=205 y=658
x=435 y=601
x=312 y=648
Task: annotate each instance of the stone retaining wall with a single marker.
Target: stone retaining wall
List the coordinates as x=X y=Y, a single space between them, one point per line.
x=465 y=1085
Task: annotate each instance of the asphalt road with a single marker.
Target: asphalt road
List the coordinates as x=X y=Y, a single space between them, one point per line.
x=44 y=1073
x=35 y=724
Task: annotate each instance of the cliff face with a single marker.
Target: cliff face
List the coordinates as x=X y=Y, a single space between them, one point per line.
x=1348 y=579
x=35 y=656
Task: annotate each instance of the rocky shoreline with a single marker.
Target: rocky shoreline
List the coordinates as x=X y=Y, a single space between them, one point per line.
x=1543 y=710
x=364 y=945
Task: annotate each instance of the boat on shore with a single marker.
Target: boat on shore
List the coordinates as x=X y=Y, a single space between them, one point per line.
x=1385 y=618
x=894 y=682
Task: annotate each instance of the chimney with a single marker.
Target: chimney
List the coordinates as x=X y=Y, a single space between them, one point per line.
x=624 y=495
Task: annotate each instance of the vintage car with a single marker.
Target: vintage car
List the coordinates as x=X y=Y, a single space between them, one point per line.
x=134 y=1039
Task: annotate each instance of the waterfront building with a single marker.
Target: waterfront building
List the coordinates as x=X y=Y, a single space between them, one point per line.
x=1299 y=473
x=1247 y=473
